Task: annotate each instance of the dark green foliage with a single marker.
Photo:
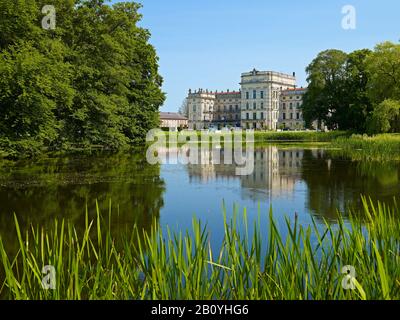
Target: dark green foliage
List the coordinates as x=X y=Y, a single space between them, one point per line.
x=326 y=85
x=357 y=91
x=384 y=69
x=337 y=90
x=384 y=88
x=357 y=105
x=385 y=117
x=92 y=81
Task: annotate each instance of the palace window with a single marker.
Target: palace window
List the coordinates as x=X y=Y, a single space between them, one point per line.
x=254 y=105
x=262 y=115
x=262 y=105
x=297 y=116
x=262 y=94
x=254 y=94
x=247 y=95
x=284 y=116
x=247 y=116
x=254 y=116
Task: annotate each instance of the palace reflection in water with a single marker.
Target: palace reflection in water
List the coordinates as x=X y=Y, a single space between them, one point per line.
x=325 y=182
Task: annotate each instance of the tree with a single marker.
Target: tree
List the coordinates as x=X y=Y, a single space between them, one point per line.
x=383 y=66
x=184 y=109
x=337 y=91
x=116 y=74
x=93 y=80
x=357 y=105
x=324 y=97
x=385 y=117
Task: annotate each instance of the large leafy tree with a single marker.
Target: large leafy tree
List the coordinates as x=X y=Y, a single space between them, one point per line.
x=92 y=80
x=383 y=66
x=357 y=105
x=337 y=92
x=324 y=98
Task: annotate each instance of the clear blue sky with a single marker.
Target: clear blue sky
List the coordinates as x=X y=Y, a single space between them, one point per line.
x=209 y=43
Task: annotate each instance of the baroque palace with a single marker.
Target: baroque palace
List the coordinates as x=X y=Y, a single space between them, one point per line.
x=267 y=100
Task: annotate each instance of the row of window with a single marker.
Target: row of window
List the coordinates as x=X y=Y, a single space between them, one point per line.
x=291 y=98
x=231 y=109
x=230 y=117
x=226 y=108
x=291 y=116
x=291 y=105
x=236 y=108
x=248 y=107
x=254 y=105
x=255 y=116
x=254 y=95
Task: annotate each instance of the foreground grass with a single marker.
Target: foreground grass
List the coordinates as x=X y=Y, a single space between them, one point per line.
x=305 y=264
x=380 y=147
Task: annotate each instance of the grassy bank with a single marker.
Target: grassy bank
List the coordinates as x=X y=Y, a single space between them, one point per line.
x=178 y=266
x=299 y=136
x=380 y=147
x=288 y=136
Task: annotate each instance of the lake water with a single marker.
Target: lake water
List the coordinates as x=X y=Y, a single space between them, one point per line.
x=311 y=182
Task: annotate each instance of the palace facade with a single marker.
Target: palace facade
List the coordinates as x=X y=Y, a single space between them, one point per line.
x=259 y=104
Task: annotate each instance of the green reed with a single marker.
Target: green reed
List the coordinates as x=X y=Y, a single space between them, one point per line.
x=299 y=136
x=380 y=147
x=306 y=263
